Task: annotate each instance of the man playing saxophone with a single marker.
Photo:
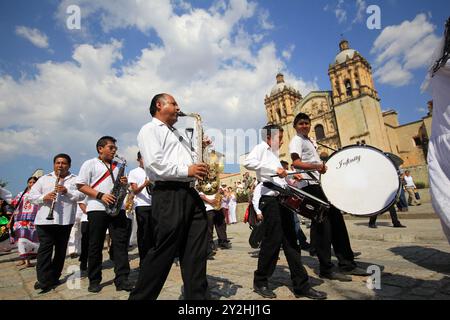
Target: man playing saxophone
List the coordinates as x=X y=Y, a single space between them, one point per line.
x=54 y=234
x=178 y=212
x=96 y=179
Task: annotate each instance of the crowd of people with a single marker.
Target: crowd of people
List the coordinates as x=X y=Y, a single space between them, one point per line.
x=62 y=213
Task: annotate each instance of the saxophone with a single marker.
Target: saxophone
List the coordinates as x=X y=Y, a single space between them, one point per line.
x=210 y=184
x=119 y=191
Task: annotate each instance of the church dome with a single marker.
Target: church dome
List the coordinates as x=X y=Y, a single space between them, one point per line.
x=281 y=85
x=342 y=56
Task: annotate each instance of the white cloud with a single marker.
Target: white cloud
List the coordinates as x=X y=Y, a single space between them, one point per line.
x=340 y=12
x=360 y=11
x=205 y=58
x=343 y=9
x=35 y=36
x=264 y=20
x=393 y=73
x=287 y=54
x=405 y=47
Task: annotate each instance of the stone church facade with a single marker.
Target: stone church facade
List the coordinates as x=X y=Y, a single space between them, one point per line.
x=350 y=114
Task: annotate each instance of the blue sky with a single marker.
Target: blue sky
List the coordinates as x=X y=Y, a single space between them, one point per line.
x=61 y=89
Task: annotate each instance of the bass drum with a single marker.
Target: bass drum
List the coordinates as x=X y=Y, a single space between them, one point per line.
x=361 y=180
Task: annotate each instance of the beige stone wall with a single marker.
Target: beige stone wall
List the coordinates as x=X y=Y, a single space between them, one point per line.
x=408 y=151
x=391 y=118
x=359 y=120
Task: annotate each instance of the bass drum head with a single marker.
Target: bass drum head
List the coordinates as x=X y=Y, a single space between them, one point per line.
x=360 y=180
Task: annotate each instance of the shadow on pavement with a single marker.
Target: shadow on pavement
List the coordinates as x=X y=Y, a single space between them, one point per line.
x=428 y=258
x=221 y=287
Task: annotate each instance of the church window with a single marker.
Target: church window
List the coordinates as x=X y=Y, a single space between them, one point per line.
x=320 y=133
x=417 y=141
x=348 y=88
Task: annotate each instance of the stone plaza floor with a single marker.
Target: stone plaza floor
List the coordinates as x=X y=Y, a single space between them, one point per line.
x=414 y=264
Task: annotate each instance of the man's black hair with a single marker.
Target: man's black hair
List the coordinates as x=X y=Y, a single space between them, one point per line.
x=301 y=116
x=63 y=155
x=270 y=130
x=155 y=100
x=103 y=141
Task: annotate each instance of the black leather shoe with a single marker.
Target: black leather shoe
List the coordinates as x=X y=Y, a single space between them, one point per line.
x=94 y=288
x=311 y=294
x=357 y=271
x=399 y=225
x=373 y=226
x=225 y=245
x=264 y=292
x=125 y=286
x=306 y=246
x=335 y=276
x=356 y=254
x=37 y=285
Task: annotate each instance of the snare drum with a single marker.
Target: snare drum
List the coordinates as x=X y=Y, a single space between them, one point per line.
x=304 y=204
x=361 y=180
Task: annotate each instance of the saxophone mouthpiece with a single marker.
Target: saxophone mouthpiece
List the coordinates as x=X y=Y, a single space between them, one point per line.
x=181 y=114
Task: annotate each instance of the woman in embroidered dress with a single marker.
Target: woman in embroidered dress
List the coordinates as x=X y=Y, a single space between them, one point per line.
x=25 y=234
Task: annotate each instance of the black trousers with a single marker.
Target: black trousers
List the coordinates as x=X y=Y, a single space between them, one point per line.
x=51 y=238
x=145 y=228
x=99 y=222
x=279 y=231
x=180 y=227
x=393 y=214
x=84 y=245
x=216 y=219
x=332 y=231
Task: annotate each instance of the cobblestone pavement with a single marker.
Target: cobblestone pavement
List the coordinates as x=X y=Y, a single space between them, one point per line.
x=417 y=268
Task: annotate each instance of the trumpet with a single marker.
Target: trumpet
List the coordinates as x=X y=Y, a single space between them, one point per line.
x=50 y=213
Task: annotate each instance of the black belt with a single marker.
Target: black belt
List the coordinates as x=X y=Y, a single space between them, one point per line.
x=174 y=184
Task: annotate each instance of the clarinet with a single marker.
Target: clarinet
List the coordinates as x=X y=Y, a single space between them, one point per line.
x=50 y=213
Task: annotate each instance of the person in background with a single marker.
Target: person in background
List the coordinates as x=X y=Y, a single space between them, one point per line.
x=22 y=222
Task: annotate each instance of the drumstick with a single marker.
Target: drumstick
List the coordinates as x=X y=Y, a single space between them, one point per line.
x=289 y=173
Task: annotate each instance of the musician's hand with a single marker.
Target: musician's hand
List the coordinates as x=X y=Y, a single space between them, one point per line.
x=206 y=142
x=198 y=171
x=297 y=176
x=147 y=183
x=61 y=189
x=50 y=196
x=322 y=168
x=124 y=180
x=259 y=217
x=282 y=173
x=108 y=198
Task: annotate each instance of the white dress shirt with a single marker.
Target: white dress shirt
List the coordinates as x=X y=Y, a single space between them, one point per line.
x=90 y=172
x=409 y=182
x=166 y=152
x=138 y=176
x=265 y=162
x=256 y=197
x=306 y=150
x=66 y=204
x=211 y=197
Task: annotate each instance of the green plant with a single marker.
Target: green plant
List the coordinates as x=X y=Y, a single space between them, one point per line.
x=420 y=185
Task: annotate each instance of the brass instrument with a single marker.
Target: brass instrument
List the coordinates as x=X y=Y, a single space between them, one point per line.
x=210 y=184
x=119 y=191
x=218 y=199
x=52 y=208
x=129 y=202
